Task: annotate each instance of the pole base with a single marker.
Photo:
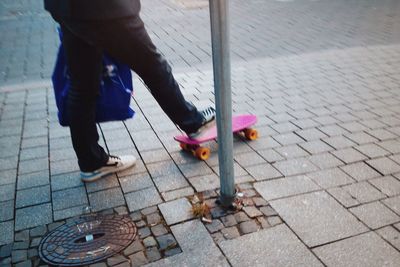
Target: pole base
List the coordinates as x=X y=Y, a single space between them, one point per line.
x=226 y=201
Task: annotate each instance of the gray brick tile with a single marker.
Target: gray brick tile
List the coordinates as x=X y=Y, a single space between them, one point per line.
x=7 y=192
x=205 y=183
x=66 y=180
x=303 y=215
x=142 y=199
x=392 y=146
x=7 y=210
x=32 y=196
x=361 y=138
x=135 y=182
x=270 y=155
x=176 y=211
x=178 y=193
x=106 y=199
x=248 y=159
x=343 y=197
x=33 y=216
x=384 y=165
x=381 y=134
x=375 y=215
x=349 y=155
x=195 y=169
x=330 y=178
x=360 y=171
x=109 y=181
x=367 y=249
x=288 y=139
x=325 y=161
x=263 y=143
x=316 y=146
x=393 y=203
x=294 y=166
x=353 y=127
x=8 y=177
x=391 y=235
x=69 y=198
x=162 y=168
x=333 y=130
x=339 y=142
x=311 y=134
x=293 y=151
x=34 y=153
x=6 y=232
x=170 y=182
x=263 y=172
x=33 y=179
x=363 y=192
x=372 y=150
x=388 y=185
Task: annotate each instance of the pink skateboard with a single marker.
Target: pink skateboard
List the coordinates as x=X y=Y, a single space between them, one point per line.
x=240 y=125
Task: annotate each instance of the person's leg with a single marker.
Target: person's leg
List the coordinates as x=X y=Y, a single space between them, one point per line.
x=84 y=70
x=128 y=41
x=84 y=63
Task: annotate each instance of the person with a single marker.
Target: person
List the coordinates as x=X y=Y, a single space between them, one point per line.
x=91 y=27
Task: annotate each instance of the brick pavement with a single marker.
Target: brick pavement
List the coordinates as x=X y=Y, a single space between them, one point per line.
x=322 y=180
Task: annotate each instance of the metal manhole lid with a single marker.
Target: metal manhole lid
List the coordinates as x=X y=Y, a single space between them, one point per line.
x=87 y=240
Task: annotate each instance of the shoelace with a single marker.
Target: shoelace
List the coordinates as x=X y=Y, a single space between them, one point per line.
x=209 y=111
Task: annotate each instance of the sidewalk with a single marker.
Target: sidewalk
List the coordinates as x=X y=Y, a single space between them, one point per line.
x=321 y=184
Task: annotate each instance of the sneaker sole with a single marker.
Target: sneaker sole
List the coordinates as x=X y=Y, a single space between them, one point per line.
x=102 y=174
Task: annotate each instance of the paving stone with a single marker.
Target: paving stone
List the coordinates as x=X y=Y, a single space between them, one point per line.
x=166 y=242
x=388 y=185
x=21 y=245
x=392 y=146
x=121 y=210
x=263 y=172
x=100 y=264
x=204 y=183
x=149 y=242
x=27 y=263
x=7 y=192
x=214 y=226
x=6 y=262
x=108 y=182
x=316 y=147
x=248 y=227
x=5 y=251
x=303 y=214
x=141 y=223
x=193 y=237
x=33 y=216
x=153 y=254
x=35 y=242
x=170 y=182
x=339 y=142
x=149 y=210
x=290 y=152
x=32 y=196
x=325 y=161
x=179 y=193
x=393 y=203
x=7 y=210
x=106 y=199
x=264 y=223
x=195 y=169
x=241 y=217
x=361 y=138
x=349 y=155
x=375 y=215
x=228 y=220
x=385 y=166
x=294 y=167
x=136 y=216
x=69 y=212
x=372 y=150
x=381 y=134
x=8 y=177
x=287 y=250
x=162 y=169
x=343 y=197
x=391 y=235
x=363 y=192
x=284 y=187
x=142 y=199
x=159 y=230
x=366 y=250
x=258 y=201
x=176 y=211
x=360 y=171
x=274 y=220
x=69 y=198
x=270 y=155
x=33 y=179
x=144 y=232
x=288 y=139
x=38 y=231
x=135 y=182
x=132 y=248
x=66 y=180
x=172 y=252
x=33 y=252
x=268 y=211
x=116 y=260
x=230 y=232
x=36 y=165
x=19 y=255
x=153 y=218
x=138 y=259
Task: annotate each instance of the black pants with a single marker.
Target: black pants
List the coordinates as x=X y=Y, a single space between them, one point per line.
x=127 y=41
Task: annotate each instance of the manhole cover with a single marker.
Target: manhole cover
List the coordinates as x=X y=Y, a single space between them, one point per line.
x=87 y=240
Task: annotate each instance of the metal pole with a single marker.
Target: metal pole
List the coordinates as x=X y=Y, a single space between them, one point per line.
x=223 y=99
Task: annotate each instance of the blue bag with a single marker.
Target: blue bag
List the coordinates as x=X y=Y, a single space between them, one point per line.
x=114 y=94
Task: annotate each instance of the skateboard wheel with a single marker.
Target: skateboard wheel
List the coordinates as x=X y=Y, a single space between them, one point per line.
x=251 y=134
x=183 y=146
x=203 y=153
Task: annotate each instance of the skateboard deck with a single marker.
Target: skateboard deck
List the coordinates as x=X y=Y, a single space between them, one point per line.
x=240 y=124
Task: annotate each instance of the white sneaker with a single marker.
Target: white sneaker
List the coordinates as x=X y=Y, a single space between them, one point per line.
x=208 y=122
x=114 y=164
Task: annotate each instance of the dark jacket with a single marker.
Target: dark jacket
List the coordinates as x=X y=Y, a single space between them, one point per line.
x=92 y=9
